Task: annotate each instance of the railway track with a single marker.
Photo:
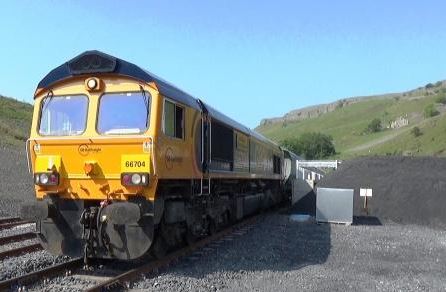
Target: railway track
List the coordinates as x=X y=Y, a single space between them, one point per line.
x=122 y=279
x=19 y=283
x=9 y=220
x=17 y=238
x=20 y=250
x=7 y=223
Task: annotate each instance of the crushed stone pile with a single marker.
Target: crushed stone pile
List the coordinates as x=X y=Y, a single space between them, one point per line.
x=16 y=183
x=408 y=190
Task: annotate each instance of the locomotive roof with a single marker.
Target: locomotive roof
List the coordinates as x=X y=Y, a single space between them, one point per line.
x=215 y=114
x=94 y=62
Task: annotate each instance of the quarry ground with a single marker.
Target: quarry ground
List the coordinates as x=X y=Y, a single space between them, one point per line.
x=280 y=255
x=276 y=254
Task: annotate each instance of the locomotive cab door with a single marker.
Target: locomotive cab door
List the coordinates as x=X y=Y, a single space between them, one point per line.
x=205 y=149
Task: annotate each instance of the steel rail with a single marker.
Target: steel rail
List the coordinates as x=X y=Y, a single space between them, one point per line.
x=17 y=238
x=30 y=278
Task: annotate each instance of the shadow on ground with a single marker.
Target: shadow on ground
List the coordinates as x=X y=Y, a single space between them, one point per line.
x=273 y=244
x=366 y=220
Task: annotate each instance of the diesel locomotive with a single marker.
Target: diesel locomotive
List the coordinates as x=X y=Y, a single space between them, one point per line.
x=124 y=163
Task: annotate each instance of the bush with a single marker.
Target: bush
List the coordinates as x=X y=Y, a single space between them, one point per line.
x=311 y=145
x=416 y=132
x=374 y=126
x=441 y=98
x=430 y=111
x=429 y=85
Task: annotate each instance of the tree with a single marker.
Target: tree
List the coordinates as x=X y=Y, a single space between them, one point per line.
x=430 y=111
x=311 y=145
x=416 y=132
x=374 y=126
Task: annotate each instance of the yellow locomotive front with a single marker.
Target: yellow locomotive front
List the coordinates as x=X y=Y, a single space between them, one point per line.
x=91 y=151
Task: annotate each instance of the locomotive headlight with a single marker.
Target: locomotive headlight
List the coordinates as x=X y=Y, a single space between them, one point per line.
x=136 y=179
x=92 y=83
x=46 y=179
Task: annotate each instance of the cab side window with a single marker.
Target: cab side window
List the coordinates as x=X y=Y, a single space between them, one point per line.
x=173 y=120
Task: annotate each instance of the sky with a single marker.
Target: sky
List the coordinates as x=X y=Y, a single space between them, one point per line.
x=249 y=59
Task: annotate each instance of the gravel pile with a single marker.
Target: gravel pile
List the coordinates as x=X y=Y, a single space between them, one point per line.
x=409 y=190
x=280 y=255
x=16 y=185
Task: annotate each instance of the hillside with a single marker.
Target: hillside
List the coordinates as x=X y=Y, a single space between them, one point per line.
x=15 y=121
x=346 y=119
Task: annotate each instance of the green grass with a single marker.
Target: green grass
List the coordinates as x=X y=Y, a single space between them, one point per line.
x=431 y=142
x=347 y=124
x=15 y=121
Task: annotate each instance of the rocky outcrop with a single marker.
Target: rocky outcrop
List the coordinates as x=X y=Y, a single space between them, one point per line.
x=311 y=111
x=317 y=110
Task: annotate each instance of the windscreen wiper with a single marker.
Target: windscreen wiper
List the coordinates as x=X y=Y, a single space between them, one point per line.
x=47 y=101
x=146 y=102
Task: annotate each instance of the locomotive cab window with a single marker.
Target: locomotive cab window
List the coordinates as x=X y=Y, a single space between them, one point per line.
x=63 y=115
x=123 y=113
x=173 y=120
